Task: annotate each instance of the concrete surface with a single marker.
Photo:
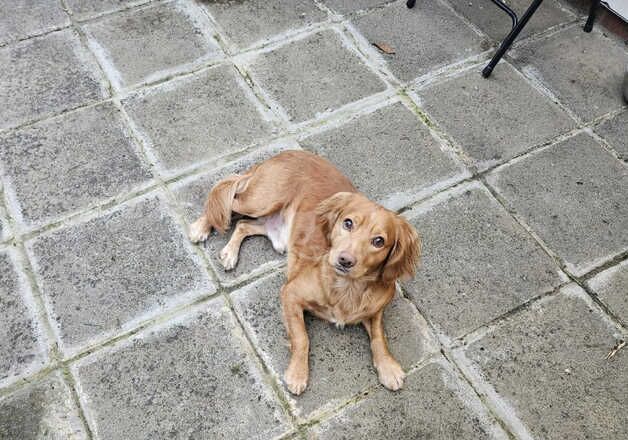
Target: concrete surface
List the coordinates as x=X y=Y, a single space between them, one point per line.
x=117 y=117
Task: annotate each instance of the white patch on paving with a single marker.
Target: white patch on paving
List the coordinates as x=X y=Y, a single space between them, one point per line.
x=455 y=383
x=603 y=279
x=42 y=345
x=443 y=197
x=502 y=407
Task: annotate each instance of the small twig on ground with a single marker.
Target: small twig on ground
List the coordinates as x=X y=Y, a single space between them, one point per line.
x=620 y=344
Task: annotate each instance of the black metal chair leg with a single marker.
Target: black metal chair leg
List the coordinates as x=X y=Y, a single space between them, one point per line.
x=503 y=48
x=588 y=26
x=504 y=7
x=410 y=3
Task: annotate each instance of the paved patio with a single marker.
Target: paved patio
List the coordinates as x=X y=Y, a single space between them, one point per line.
x=118 y=116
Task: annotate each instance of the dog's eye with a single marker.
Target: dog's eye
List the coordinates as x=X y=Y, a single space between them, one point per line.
x=347 y=224
x=378 y=242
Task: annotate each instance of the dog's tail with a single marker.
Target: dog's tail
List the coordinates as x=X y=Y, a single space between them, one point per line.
x=220 y=200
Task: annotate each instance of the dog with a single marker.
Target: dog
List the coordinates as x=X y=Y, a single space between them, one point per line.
x=345 y=252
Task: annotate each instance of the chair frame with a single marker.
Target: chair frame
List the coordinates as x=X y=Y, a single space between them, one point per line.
x=517 y=26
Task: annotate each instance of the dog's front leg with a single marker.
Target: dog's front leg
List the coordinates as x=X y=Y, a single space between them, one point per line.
x=298 y=370
x=389 y=371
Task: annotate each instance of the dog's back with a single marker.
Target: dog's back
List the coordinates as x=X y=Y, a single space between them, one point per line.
x=294 y=178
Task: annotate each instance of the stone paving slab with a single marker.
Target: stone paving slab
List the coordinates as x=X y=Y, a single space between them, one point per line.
x=615 y=132
x=314 y=75
x=435 y=403
x=105 y=275
x=45 y=76
x=389 y=155
x=548 y=364
x=477 y=263
x=340 y=359
x=64 y=164
x=611 y=287
x=253 y=22
x=22 y=343
x=83 y=9
x=42 y=410
x=574 y=66
x=256 y=253
x=24 y=18
x=482 y=114
x=190 y=377
x=495 y=23
x=425 y=37
x=199 y=117
x=147 y=43
x=573 y=195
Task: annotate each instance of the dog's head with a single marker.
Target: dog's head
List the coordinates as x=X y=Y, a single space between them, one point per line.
x=366 y=239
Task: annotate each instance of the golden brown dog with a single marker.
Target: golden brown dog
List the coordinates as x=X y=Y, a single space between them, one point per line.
x=344 y=252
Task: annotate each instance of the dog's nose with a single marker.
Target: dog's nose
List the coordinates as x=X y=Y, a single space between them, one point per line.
x=346 y=260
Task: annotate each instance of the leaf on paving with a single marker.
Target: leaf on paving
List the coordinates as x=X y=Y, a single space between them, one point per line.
x=386 y=48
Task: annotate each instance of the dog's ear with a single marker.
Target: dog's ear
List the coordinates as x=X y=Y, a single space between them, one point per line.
x=328 y=211
x=404 y=256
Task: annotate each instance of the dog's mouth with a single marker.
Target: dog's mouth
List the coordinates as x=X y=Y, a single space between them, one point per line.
x=341 y=270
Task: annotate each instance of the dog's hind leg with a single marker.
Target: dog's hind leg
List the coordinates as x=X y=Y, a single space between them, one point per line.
x=244 y=228
x=218 y=207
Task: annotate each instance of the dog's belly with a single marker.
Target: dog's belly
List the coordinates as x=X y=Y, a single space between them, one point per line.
x=278 y=230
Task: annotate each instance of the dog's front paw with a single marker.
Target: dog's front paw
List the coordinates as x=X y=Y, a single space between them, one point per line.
x=391 y=374
x=296 y=379
x=228 y=258
x=198 y=231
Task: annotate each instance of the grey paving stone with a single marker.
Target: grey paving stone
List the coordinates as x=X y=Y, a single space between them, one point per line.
x=347 y=6
x=389 y=155
x=425 y=37
x=44 y=76
x=574 y=65
x=21 y=342
x=548 y=362
x=615 y=131
x=195 y=118
x=573 y=195
x=246 y=23
x=492 y=20
x=611 y=286
x=256 y=253
x=189 y=378
x=340 y=359
x=145 y=44
x=109 y=273
x=82 y=9
x=314 y=75
x=480 y=114
x=477 y=263
x=43 y=410
x=72 y=161
x=24 y=18
x=435 y=403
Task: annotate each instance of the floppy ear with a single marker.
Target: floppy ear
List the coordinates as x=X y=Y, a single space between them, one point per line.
x=404 y=256
x=328 y=211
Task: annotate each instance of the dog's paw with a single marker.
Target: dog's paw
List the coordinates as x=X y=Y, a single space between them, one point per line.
x=198 y=232
x=228 y=258
x=296 y=379
x=391 y=374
